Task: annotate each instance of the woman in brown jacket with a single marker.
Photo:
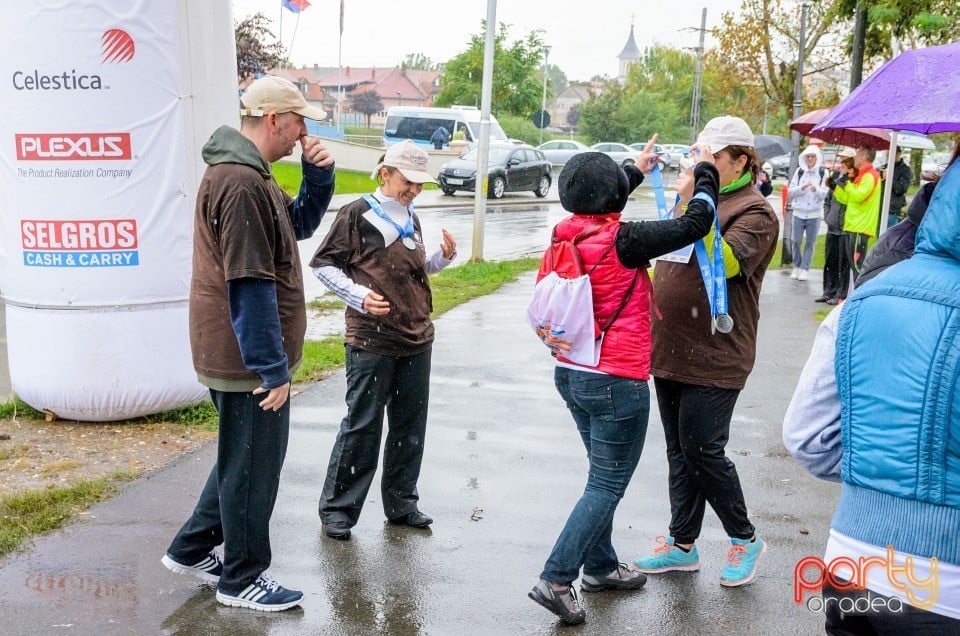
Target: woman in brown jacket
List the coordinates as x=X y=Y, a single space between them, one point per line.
x=700 y=364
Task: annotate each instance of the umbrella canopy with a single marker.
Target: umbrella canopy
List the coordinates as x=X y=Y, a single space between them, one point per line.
x=767 y=146
x=807 y=124
x=918 y=90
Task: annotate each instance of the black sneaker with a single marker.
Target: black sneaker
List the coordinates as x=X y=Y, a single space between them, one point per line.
x=623 y=578
x=564 y=604
x=209 y=568
x=264 y=595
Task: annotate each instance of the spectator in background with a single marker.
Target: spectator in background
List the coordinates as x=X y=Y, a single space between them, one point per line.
x=763 y=183
x=440 y=137
x=894 y=451
x=861 y=194
x=897 y=243
x=806 y=191
x=902 y=176
x=833 y=212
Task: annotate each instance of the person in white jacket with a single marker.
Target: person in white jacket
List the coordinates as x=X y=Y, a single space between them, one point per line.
x=806 y=192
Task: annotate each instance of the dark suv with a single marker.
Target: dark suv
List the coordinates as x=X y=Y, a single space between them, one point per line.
x=512 y=168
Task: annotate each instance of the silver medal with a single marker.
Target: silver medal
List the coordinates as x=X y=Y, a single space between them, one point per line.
x=409 y=243
x=724 y=323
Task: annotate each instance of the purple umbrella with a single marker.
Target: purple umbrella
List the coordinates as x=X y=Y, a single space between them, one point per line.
x=918 y=90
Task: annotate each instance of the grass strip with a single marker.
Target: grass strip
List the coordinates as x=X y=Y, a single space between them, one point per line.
x=35 y=512
x=451 y=287
x=289 y=175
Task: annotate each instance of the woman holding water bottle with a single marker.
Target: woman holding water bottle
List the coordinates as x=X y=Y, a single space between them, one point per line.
x=704 y=346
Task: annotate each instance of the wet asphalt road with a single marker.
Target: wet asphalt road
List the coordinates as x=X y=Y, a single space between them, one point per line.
x=503 y=467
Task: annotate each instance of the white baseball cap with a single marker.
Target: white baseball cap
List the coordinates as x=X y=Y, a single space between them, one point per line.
x=272 y=94
x=846 y=151
x=721 y=132
x=410 y=159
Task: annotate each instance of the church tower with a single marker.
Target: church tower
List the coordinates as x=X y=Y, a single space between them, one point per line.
x=629 y=55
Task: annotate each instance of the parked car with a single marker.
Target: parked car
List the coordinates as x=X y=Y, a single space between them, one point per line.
x=667 y=160
x=559 y=151
x=677 y=152
x=778 y=166
x=621 y=153
x=512 y=168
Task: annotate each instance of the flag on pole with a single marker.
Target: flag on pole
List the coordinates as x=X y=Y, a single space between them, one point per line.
x=296 y=6
x=341 y=18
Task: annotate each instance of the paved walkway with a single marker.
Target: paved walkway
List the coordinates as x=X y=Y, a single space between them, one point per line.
x=502 y=469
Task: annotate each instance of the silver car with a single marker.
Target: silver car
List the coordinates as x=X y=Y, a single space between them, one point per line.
x=559 y=151
x=621 y=153
x=666 y=159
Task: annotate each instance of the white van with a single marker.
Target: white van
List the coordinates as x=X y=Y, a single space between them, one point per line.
x=419 y=124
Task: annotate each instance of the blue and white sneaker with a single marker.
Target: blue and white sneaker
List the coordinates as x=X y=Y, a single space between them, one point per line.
x=264 y=595
x=209 y=568
x=742 y=560
x=667 y=557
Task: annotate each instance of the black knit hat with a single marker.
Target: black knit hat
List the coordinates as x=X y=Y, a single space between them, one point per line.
x=593 y=183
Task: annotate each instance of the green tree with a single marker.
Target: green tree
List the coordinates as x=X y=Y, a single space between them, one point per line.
x=754 y=68
x=598 y=115
x=516 y=78
x=556 y=80
x=257 y=48
x=666 y=76
x=909 y=23
x=419 y=62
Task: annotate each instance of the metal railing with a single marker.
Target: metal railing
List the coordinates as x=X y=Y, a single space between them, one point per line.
x=373 y=141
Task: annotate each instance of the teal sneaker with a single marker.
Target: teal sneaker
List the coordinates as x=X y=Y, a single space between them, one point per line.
x=667 y=557
x=742 y=561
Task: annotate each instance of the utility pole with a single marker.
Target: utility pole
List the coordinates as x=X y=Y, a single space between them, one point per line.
x=859 y=37
x=798 y=87
x=543 y=100
x=695 y=104
x=483 y=143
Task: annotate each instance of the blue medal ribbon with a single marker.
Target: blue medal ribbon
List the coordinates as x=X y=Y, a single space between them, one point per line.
x=714 y=273
x=656 y=179
x=375 y=206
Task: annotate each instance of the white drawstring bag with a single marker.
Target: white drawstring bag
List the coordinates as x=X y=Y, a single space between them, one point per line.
x=561 y=309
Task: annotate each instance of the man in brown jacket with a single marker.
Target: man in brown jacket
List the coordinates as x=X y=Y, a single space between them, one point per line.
x=247 y=324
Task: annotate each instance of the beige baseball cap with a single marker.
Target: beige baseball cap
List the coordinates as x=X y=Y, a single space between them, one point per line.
x=272 y=94
x=721 y=132
x=846 y=151
x=410 y=159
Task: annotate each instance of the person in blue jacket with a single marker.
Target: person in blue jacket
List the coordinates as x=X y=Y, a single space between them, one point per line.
x=896 y=453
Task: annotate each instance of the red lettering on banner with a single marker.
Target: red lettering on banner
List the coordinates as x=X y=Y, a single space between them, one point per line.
x=73 y=146
x=112 y=234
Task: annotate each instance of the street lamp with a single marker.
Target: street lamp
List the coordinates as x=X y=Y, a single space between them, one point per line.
x=798 y=86
x=543 y=100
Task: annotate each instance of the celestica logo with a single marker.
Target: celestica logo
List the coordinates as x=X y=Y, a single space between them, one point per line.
x=117 y=47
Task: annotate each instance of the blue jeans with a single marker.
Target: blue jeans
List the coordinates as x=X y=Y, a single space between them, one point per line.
x=611 y=415
x=810 y=227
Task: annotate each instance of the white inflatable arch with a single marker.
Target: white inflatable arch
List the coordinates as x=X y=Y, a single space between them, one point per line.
x=108 y=105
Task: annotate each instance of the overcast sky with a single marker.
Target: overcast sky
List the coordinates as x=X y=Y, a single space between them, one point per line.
x=585 y=36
